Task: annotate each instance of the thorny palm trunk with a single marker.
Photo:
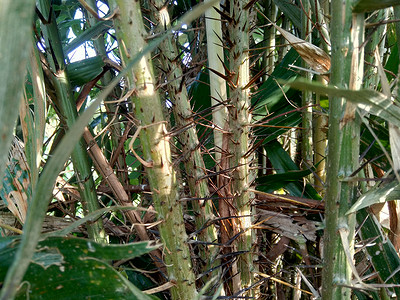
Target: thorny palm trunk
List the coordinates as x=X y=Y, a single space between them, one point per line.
x=192 y=157
x=156 y=150
x=117 y=183
x=218 y=95
x=215 y=59
x=344 y=134
x=240 y=119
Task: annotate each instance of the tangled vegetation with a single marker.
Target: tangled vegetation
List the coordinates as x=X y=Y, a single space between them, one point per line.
x=185 y=150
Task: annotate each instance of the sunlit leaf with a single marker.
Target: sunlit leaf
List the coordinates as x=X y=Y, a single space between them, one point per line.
x=89 y=34
x=378 y=194
x=14 y=52
x=369 y=101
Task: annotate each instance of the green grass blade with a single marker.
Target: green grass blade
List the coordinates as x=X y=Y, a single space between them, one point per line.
x=15 y=29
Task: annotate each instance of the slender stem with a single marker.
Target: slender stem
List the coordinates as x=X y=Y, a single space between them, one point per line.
x=116 y=127
x=67 y=107
x=268 y=62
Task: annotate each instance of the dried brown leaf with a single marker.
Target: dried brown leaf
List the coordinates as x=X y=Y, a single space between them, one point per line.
x=317 y=58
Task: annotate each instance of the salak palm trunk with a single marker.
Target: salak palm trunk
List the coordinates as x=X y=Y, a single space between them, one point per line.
x=191 y=150
x=154 y=139
x=240 y=121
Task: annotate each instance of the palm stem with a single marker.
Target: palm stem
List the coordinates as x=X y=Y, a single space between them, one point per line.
x=156 y=150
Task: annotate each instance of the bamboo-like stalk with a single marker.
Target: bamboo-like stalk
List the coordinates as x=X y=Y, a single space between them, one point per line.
x=218 y=94
x=156 y=149
x=307 y=100
x=66 y=103
x=104 y=168
x=320 y=125
x=344 y=135
x=33 y=126
x=268 y=61
x=371 y=78
x=240 y=119
x=193 y=160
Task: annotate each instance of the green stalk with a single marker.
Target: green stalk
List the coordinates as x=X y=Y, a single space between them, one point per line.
x=66 y=103
x=343 y=143
x=371 y=78
x=268 y=61
x=218 y=94
x=320 y=122
x=193 y=160
x=156 y=149
x=240 y=119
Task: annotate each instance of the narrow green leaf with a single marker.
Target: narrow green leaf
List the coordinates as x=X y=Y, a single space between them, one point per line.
x=370 y=101
x=277 y=123
x=371 y=5
x=276 y=181
x=83 y=71
x=282 y=163
x=378 y=194
x=290 y=10
x=381 y=251
x=270 y=96
x=91 y=33
x=14 y=52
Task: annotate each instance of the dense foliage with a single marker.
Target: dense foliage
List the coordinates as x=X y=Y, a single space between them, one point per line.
x=185 y=150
